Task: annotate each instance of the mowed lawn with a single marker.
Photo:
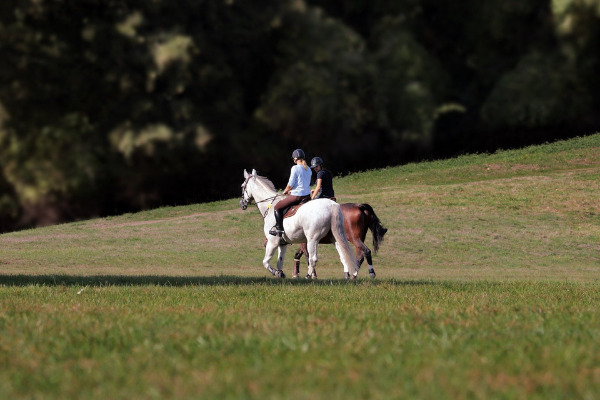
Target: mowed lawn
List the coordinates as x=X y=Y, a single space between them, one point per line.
x=248 y=338
x=487 y=287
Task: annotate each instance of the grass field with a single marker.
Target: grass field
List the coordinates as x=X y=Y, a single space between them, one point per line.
x=488 y=287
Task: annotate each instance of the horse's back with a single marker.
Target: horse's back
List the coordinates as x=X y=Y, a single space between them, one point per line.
x=313 y=219
x=318 y=204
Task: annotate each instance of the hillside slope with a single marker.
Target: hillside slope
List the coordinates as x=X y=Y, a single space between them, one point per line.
x=532 y=214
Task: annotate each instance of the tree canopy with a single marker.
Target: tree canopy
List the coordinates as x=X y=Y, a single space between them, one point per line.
x=114 y=106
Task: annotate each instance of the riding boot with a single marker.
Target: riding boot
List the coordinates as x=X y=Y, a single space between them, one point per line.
x=279 y=222
x=278 y=231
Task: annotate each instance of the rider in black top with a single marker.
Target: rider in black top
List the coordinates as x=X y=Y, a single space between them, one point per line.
x=324 y=187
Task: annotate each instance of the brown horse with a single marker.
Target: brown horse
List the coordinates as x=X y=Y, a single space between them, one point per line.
x=358 y=218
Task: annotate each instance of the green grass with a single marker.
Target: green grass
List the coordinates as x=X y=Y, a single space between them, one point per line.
x=252 y=338
x=488 y=287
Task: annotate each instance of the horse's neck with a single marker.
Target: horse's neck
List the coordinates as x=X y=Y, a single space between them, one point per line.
x=265 y=198
x=262 y=194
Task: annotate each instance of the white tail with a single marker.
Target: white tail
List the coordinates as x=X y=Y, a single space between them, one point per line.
x=343 y=246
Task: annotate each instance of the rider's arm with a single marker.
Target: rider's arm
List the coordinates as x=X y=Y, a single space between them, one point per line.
x=317 y=188
x=292 y=181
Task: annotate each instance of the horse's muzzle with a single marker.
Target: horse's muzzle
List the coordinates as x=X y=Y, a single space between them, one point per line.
x=243 y=204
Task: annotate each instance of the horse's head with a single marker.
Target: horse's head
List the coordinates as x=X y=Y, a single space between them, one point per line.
x=246 y=194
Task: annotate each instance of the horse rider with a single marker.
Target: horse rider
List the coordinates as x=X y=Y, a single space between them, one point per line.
x=324 y=188
x=298 y=187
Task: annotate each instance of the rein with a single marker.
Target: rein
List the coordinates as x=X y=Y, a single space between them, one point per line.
x=269 y=206
x=269 y=198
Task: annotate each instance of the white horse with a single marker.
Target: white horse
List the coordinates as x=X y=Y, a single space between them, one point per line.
x=311 y=223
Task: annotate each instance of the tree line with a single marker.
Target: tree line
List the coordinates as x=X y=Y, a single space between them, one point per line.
x=111 y=106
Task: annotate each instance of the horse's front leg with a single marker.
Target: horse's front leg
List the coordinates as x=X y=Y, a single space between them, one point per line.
x=269 y=251
x=280 y=258
x=297 y=257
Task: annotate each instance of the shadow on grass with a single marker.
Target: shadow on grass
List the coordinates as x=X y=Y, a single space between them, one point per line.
x=177 y=281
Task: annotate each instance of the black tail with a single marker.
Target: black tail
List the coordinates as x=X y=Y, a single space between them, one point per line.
x=377 y=230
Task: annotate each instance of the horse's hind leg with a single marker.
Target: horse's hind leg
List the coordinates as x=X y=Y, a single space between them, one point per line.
x=304 y=250
x=311 y=255
x=361 y=251
x=347 y=273
x=370 y=263
x=360 y=248
x=310 y=275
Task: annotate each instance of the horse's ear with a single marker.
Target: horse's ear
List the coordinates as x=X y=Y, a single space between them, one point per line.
x=253 y=172
x=246 y=174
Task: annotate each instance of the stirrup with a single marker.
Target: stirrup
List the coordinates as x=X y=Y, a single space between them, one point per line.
x=276 y=232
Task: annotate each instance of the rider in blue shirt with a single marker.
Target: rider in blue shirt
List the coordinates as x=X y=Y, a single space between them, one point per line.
x=298 y=187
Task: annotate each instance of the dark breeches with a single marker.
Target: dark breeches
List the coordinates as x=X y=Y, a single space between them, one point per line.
x=288 y=201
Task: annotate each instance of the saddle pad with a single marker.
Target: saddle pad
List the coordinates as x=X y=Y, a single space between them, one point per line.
x=292 y=210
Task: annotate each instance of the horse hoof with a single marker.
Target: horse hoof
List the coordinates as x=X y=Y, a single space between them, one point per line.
x=314 y=275
x=279 y=274
x=295 y=276
x=372 y=273
x=346 y=275
x=352 y=277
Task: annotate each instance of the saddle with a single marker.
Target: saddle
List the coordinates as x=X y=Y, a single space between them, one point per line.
x=291 y=211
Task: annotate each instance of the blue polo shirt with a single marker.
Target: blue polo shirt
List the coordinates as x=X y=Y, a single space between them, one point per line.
x=300 y=181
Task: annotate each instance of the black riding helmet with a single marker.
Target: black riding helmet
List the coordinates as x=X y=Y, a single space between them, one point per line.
x=298 y=153
x=316 y=161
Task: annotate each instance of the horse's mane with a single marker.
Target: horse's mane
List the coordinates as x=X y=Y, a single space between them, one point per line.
x=266 y=182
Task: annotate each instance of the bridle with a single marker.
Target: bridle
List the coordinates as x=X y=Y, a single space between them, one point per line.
x=244 y=203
